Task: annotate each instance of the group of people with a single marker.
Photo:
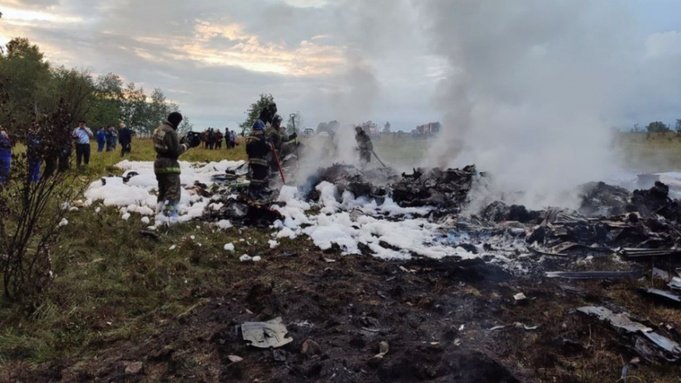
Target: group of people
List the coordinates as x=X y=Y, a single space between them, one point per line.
x=108 y=137
x=45 y=147
x=212 y=138
x=264 y=147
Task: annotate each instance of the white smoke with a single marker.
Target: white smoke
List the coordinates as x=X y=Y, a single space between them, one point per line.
x=533 y=90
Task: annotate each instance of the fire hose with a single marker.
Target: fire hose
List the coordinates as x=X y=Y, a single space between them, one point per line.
x=379 y=160
x=276 y=159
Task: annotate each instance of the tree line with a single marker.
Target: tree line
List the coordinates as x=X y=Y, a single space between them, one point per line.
x=32 y=87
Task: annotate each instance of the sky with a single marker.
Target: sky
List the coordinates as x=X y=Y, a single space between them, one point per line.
x=353 y=60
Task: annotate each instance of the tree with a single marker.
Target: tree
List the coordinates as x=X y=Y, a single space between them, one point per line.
x=254 y=112
x=185 y=126
x=657 y=127
x=133 y=108
x=678 y=126
x=158 y=110
x=108 y=101
x=386 y=128
x=26 y=77
x=75 y=90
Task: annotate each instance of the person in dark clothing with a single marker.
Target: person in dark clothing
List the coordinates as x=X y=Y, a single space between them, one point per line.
x=258 y=150
x=125 y=139
x=364 y=146
x=5 y=156
x=101 y=139
x=273 y=136
x=166 y=167
x=82 y=134
x=211 y=139
x=218 y=139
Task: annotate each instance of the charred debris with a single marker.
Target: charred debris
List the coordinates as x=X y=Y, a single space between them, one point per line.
x=639 y=232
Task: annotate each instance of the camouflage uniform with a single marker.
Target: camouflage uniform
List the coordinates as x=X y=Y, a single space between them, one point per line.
x=364 y=146
x=258 y=150
x=167 y=168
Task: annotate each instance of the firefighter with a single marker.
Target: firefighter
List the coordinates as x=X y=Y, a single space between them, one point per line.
x=166 y=167
x=259 y=149
x=364 y=146
x=273 y=136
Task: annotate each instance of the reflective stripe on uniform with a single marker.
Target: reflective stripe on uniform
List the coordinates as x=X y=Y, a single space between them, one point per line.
x=258 y=161
x=255 y=181
x=168 y=170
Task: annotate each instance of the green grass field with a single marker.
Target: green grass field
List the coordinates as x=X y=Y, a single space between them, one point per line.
x=658 y=154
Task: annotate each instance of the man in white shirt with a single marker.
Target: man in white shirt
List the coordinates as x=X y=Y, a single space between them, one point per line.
x=82 y=134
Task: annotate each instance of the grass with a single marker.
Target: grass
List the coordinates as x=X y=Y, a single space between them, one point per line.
x=656 y=154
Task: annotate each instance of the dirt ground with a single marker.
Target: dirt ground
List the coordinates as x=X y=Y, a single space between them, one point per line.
x=436 y=316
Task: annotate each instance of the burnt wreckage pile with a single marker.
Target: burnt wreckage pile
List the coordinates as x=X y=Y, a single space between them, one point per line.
x=641 y=226
x=445 y=189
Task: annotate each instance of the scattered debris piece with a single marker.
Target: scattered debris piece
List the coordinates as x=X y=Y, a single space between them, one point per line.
x=675 y=283
x=271 y=333
x=310 y=347
x=661 y=274
x=234 y=358
x=666 y=349
x=497 y=327
x=150 y=233
x=383 y=349
x=525 y=327
x=662 y=295
x=519 y=297
x=595 y=274
x=133 y=368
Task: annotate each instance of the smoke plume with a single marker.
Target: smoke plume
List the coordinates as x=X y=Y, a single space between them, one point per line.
x=532 y=90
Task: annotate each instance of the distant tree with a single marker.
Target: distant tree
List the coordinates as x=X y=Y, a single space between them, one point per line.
x=657 y=127
x=74 y=90
x=157 y=110
x=677 y=127
x=386 y=128
x=108 y=101
x=185 y=126
x=370 y=127
x=254 y=111
x=134 y=108
x=26 y=78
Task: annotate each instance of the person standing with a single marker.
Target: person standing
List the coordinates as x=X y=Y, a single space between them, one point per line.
x=125 y=139
x=101 y=139
x=113 y=138
x=364 y=146
x=218 y=139
x=258 y=150
x=232 y=139
x=82 y=134
x=5 y=156
x=166 y=167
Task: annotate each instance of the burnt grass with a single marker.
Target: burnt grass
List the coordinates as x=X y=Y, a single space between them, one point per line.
x=437 y=317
